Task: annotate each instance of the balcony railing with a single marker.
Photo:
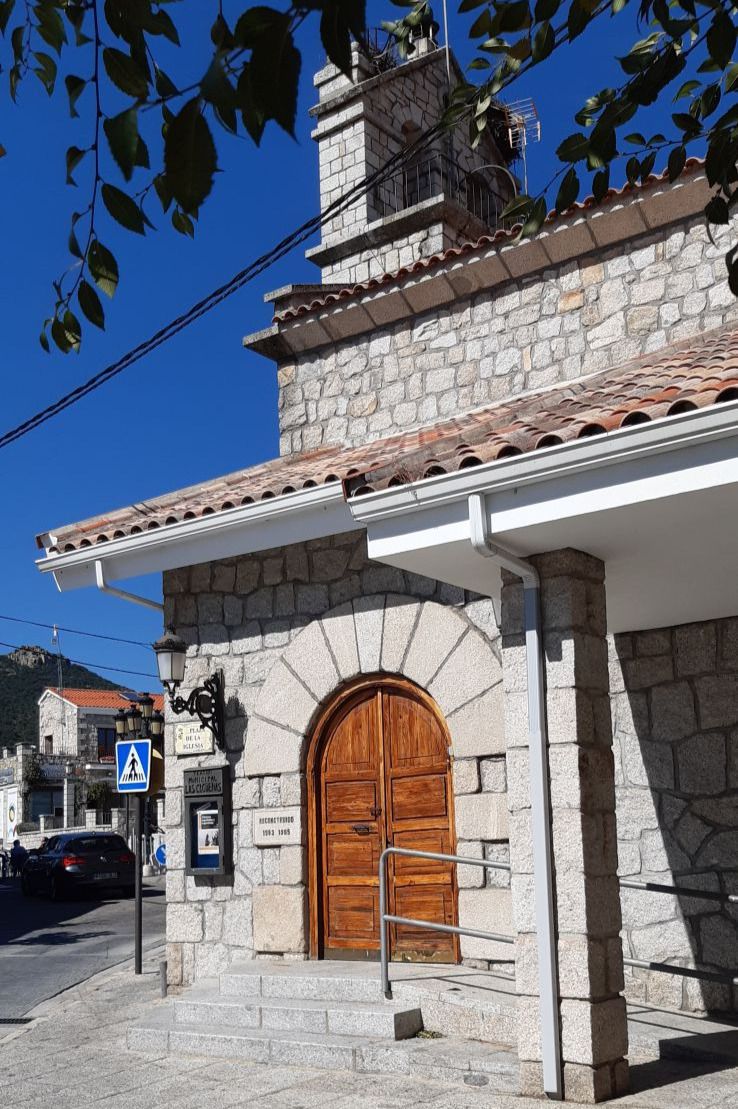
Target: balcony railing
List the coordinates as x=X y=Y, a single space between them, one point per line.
x=435 y=176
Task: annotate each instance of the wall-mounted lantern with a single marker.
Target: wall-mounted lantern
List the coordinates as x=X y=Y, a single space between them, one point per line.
x=205 y=701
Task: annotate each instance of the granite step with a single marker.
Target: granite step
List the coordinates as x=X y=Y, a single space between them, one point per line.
x=257 y=979
x=389 y=1020
x=450 y=1060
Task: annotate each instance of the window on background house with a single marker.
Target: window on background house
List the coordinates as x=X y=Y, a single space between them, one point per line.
x=48 y=745
x=106 y=744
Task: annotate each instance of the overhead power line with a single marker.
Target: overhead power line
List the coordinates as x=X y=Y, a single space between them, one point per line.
x=76 y=631
x=243 y=277
x=99 y=665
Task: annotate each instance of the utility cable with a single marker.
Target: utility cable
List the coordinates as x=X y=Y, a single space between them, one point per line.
x=78 y=662
x=76 y=631
x=237 y=282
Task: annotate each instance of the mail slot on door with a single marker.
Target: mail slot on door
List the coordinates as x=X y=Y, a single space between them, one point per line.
x=208 y=821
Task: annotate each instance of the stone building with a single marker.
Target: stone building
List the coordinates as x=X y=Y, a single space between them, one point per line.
x=483 y=603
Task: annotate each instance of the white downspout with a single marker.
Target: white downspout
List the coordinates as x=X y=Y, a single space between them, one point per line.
x=123 y=593
x=540 y=798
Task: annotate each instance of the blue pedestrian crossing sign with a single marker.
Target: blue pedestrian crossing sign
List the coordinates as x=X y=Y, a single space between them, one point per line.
x=133 y=764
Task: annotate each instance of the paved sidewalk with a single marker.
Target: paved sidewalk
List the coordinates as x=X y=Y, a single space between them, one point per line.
x=73 y=1054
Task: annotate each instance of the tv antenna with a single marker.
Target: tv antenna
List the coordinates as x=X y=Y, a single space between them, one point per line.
x=523 y=128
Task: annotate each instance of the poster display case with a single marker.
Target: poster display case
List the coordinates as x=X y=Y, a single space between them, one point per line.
x=208 y=832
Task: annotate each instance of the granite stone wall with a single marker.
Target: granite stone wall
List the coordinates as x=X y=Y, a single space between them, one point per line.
x=278 y=624
x=674 y=695
x=60 y=720
x=558 y=325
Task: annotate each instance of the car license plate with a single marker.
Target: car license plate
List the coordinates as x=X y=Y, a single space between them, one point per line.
x=103 y=877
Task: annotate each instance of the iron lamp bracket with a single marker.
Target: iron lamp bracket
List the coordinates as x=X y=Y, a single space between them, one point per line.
x=206 y=702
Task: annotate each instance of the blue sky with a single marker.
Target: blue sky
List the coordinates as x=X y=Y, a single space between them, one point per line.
x=199 y=406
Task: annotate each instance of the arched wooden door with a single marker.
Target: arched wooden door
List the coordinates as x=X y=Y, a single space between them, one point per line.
x=379 y=774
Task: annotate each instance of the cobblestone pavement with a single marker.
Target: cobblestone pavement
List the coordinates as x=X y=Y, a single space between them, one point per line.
x=74 y=1054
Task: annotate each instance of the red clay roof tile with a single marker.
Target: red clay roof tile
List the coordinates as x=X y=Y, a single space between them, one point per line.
x=693 y=374
x=102 y=698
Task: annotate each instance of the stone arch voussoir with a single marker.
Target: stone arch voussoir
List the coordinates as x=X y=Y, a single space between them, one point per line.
x=433 y=645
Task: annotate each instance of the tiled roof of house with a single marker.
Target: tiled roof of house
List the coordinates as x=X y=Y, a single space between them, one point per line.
x=694 y=374
x=501 y=236
x=103 y=698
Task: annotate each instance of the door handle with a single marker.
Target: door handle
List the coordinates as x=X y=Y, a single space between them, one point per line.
x=361 y=829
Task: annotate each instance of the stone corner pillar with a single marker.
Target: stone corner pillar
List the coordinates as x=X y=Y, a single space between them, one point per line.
x=593 y=1024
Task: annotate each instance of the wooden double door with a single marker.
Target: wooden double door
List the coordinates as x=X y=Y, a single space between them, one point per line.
x=380 y=776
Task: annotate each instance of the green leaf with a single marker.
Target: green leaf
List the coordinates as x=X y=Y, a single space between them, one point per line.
x=687 y=89
x=274 y=76
x=75 y=88
x=125 y=73
x=573 y=148
x=49 y=26
x=536 y=218
x=601 y=183
x=162 y=191
x=470 y=5
x=544 y=41
x=677 y=159
x=721 y=39
x=731 y=77
x=636 y=139
x=182 y=223
x=216 y=87
x=164 y=86
x=189 y=158
x=59 y=335
x=44 y=338
x=336 y=37
x=103 y=267
x=687 y=123
x=568 y=190
x=513 y=16
x=46 y=71
x=717 y=210
x=74 y=157
x=123 y=208
x=252 y=116
x=6 y=10
x=647 y=165
x=121 y=132
x=546 y=9
x=518 y=207
x=90 y=304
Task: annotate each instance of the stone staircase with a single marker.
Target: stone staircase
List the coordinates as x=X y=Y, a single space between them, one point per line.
x=333 y=1016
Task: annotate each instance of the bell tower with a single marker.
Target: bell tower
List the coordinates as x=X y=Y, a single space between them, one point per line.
x=446 y=193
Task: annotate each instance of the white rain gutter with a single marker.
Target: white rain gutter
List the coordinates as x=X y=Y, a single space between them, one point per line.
x=277 y=521
x=540 y=796
x=123 y=593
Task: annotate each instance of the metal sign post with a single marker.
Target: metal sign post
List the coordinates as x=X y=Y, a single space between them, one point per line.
x=138 y=910
x=133 y=764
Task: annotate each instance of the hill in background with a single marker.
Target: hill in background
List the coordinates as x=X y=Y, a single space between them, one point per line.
x=24 y=675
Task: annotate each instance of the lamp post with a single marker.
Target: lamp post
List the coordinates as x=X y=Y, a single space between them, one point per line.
x=139 y=722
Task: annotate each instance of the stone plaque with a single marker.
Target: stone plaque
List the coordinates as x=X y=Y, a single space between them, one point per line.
x=275 y=826
x=191 y=739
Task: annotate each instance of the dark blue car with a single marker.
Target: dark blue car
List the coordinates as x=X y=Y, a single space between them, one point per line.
x=97 y=862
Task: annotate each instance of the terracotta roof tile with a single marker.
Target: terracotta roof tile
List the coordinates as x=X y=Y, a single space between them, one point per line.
x=499 y=236
x=103 y=698
x=694 y=374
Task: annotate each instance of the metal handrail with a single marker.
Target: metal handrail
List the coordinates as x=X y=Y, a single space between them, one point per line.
x=662 y=887
x=386 y=918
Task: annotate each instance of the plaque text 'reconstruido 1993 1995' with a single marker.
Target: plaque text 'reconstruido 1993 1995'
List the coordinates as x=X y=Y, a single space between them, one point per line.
x=277 y=826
